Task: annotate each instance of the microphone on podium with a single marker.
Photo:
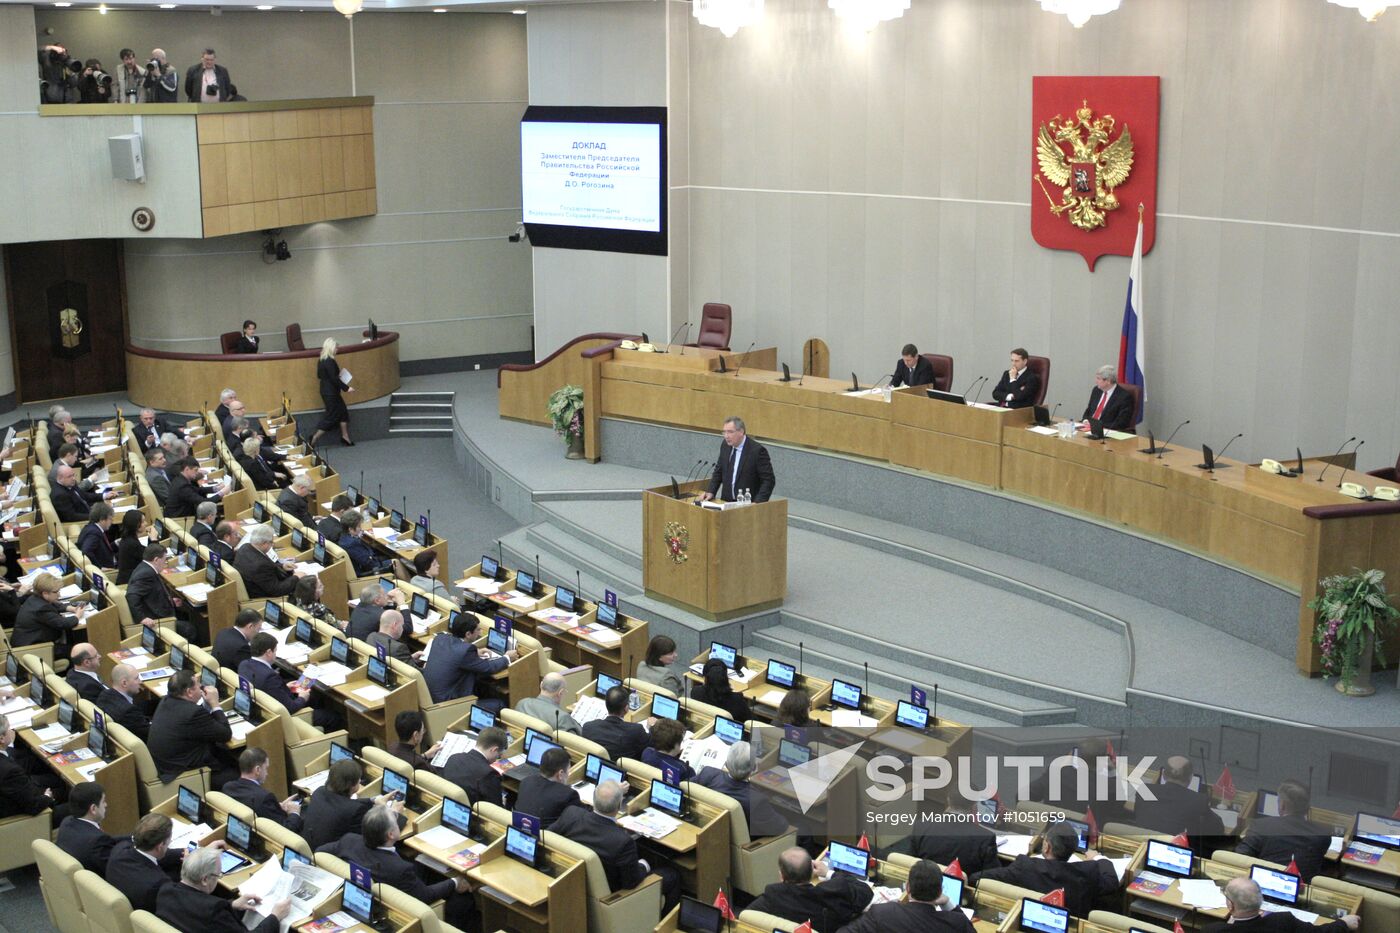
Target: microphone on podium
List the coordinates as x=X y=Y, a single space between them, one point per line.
x=1334 y=456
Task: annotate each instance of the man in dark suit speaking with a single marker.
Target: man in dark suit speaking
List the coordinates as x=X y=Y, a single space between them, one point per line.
x=1109 y=402
x=743 y=465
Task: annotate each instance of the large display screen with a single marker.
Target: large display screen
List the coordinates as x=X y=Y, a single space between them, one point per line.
x=595 y=178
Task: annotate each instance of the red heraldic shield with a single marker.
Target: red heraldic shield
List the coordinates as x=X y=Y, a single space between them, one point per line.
x=1093 y=161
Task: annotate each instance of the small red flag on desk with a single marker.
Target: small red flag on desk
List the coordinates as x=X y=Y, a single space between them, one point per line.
x=955 y=869
x=1176 y=927
x=1110 y=753
x=1225 y=785
x=806 y=927
x=1180 y=839
x=1093 y=826
x=722 y=903
x=864 y=842
x=1292 y=868
x=1055 y=898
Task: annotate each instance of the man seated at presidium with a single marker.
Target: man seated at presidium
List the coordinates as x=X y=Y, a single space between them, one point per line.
x=742 y=465
x=912 y=369
x=1111 y=404
x=1019 y=387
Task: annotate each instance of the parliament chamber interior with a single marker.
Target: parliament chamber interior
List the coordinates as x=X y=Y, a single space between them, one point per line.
x=445 y=446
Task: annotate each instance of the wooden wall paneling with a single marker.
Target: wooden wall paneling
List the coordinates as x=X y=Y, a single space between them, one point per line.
x=309 y=166
x=263 y=159
x=285 y=165
x=333 y=163
x=213 y=176
x=238 y=162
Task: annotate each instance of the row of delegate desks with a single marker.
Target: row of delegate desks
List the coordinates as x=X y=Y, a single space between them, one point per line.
x=1292 y=531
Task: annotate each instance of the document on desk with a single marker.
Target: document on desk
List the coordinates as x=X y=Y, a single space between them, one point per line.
x=442 y=837
x=772 y=697
x=1200 y=892
x=651 y=823
x=599 y=634
x=555 y=616
x=479 y=585
x=52 y=733
x=311 y=783
x=294 y=652
x=133 y=657
x=310 y=568
x=15 y=704
x=587 y=709
x=87 y=772
x=182 y=833
x=850 y=719
x=1229 y=818
x=197 y=593
x=707 y=751
x=1306 y=916
x=155 y=674
x=454 y=743
x=328 y=673
x=240 y=729
x=1013 y=844
x=1336 y=847
x=518 y=600
x=371 y=693
x=305 y=885
x=384 y=533
x=1042 y=429
x=884 y=895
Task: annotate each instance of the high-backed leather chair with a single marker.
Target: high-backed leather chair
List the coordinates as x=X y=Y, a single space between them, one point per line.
x=1391 y=474
x=1040 y=365
x=228 y=340
x=294 y=341
x=716 y=322
x=942 y=370
x=1136 y=393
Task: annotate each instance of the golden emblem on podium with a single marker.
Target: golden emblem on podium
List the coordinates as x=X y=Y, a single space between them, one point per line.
x=677 y=542
x=70 y=326
x=1087 y=174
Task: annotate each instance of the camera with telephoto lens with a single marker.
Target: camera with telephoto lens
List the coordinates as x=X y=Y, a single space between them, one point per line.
x=153 y=65
x=74 y=65
x=102 y=78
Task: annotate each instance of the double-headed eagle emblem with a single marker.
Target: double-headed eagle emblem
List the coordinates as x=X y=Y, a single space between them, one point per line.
x=1090 y=171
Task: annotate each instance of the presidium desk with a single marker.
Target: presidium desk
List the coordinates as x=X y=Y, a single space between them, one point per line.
x=1289 y=531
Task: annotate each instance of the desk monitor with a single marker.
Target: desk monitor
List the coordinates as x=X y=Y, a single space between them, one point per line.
x=340 y=651
x=607 y=615
x=697 y=916
x=522 y=846
x=911 y=715
x=229 y=861
x=665 y=707
x=419 y=605
x=497 y=641
x=1081 y=833
x=243 y=703
x=725 y=653
x=372 y=506
x=397 y=784
x=525 y=582
x=1266 y=803
x=305 y=633
x=240 y=835
x=298 y=540
x=353 y=494
x=605 y=683
x=850 y=859
x=259 y=512
x=157 y=531
x=953 y=889
x=1378 y=830
x=378 y=672
x=597 y=771
x=208 y=677
x=1040 y=917
x=781 y=674
x=395 y=520
x=277 y=525
x=358 y=902
x=340 y=752
x=1165 y=857
x=1095 y=429
x=272 y=613
x=177 y=657
x=456 y=815
x=386 y=584
x=291 y=857
x=675 y=489
x=12 y=667
x=791 y=754
x=420 y=532
x=489 y=568
x=38 y=690
x=65 y=714
x=728 y=730
x=667 y=799
x=565 y=598
x=149 y=640
x=988 y=810
x=189 y=805
x=845 y=695
x=1281 y=887
x=318 y=553
x=373 y=330
x=480 y=718
x=535 y=752
x=942 y=396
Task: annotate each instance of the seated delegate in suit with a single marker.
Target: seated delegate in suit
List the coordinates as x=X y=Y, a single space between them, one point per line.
x=231 y=646
x=227 y=537
x=330 y=526
x=263 y=578
x=362 y=558
x=548 y=794
x=118 y=701
x=185 y=492
x=239 y=425
x=248 y=340
x=202 y=528
x=409 y=727
x=44 y=618
x=149 y=430
x=597 y=829
x=621 y=739
x=1178 y=808
x=959 y=838
x=93 y=540
x=425 y=577
x=548 y=707
x=714 y=689
x=743 y=466
x=1109 y=402
x=733 y=781
x=70 y=502
x=261 y=472
x=1082 y=881
x=143 y=864
x=390 y=637
x=157 y=476
x=248 y=790
x=259 y=672
x=657 y=668
x=455 y=663
x=373 y=847
x=912 y=369
x=1290 y=836
x=471 y=770
x=840 y=898
x=188 y=731
x=19 y=794
x=1244 y=900
x=84 y=662
x=135 y=526
x=147 y=598
x=665 y=749
x=1018 y=386
x=221 y=413
x=923 y=909
x=191 y=906
x=80 y=834
x=334 y=810
x=295 y=500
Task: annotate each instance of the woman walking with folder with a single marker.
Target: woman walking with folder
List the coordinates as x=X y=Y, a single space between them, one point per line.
x=328 y=372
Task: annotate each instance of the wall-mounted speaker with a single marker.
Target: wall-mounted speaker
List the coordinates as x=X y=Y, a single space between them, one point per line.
x=127 y=163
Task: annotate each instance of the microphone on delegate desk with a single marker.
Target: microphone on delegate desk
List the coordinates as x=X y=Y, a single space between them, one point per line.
x=537 y=571
x=979 y=389
x=1344 y=466
x=578 y=583
x=670 y=343
x=744 y=358
x=1212 y=458
x=968 y=390
x=1166 y=444
x=1334 y=456
x=690 y=473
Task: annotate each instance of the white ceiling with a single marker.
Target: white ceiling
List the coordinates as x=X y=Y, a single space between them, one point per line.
x=370 y=6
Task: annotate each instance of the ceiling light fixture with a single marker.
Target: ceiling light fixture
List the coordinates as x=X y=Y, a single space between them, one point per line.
x=1079 y=11
x=348 y=7
x=265 y=7
x=518 y=12
x=439 y=9
x=865 y=15
x=1371 y=9
x=62 y=4
x=168 y=6
x=728 y=16
x=102 y=8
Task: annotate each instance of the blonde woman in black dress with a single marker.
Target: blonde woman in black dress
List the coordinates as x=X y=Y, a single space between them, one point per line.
x=328 y=372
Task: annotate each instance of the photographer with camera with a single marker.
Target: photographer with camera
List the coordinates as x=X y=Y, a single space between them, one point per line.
x=131 y=84
x=206 y=83
x=58 y=75
x=96 y=85
x=161 y=81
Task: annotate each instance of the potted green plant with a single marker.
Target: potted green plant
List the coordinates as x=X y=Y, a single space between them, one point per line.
x=566 y=414
x=1354 y=618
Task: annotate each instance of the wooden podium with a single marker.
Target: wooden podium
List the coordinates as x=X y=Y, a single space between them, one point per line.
x=717 y=564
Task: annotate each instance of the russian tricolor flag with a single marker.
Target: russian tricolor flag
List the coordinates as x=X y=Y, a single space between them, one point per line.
x=1132 y=348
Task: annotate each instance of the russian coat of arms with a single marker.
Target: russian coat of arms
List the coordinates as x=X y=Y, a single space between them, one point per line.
x=1094 y=164
x=677 y=542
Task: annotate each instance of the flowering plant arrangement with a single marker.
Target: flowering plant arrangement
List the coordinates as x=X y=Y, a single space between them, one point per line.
x=1355 y=616
x=566 y=411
